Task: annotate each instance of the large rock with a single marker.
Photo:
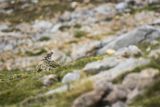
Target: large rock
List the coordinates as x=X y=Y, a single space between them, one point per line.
x=139 y=35
x=131 y=80
x=71 y=77
x=119 y=104
x=130 y=51
x=140 y=80
x=147 y=77
x=119 y=93
x=105 y=64
x=155 y=54
x=123 y=67
x=88 y=49
x=92 y=98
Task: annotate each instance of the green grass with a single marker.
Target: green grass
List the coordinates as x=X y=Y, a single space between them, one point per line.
x=16 y=86
x=41 y=10
x=79 y=33
x=44 y=38
x=67 y=98
x=36 y=52
x=44 y=9
x=75 y=65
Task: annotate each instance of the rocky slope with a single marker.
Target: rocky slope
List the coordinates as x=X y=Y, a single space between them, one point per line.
x=100 y=53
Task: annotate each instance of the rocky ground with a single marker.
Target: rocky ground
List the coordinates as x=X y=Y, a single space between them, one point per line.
x=80 y=53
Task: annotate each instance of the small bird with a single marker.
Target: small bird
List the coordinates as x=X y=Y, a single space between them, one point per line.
x=48 y=56
x=48 y=59
x=47 y=63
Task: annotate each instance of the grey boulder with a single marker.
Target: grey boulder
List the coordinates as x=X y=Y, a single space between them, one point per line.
x=139 y=35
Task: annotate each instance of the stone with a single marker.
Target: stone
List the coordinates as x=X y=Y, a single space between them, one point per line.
x=60 y=89
x=139 y=35
x=25 y=27
x=110 y=51
x=49 y=79
x=74 y=4
x=3 y=26
x=71 y=77
x=105 y=11
x=104 y=88
x=131 y=81
x=121 y=7
x=65 y=17
x=42 y=25
x=142 y=81
x=119 y=104
x=132 y=95
x=125 y=66
x=130 y=51
x=56 y=27
x=107 y=40
x=149 y=73
x=87 y=100
x=98 y=66
x=92 y=98
x=88 y=49
x=155 y=54
x=4 y=4
x=119 y=93
x=147 y=77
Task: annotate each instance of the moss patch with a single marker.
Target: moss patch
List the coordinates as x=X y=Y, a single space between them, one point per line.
x=79 y=33
x=44 y=38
